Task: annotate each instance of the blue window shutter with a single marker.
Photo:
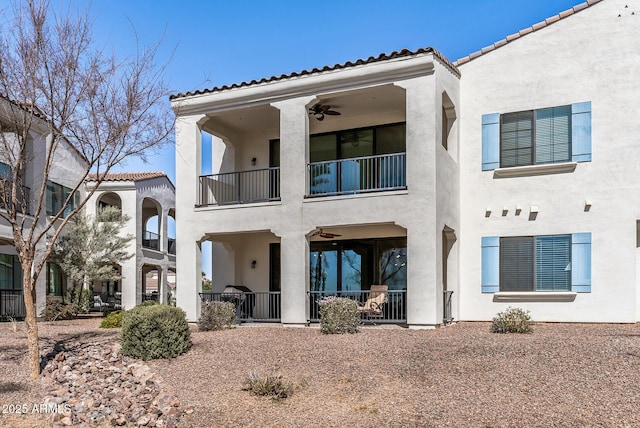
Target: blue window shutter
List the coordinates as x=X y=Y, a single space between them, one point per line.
x=490 y=141
x=581 y=262
x=581 y=132
x=490 y=264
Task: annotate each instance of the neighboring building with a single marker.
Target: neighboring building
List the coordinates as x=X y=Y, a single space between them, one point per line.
x=66 y=170
x=148 y=198
x=499 y=178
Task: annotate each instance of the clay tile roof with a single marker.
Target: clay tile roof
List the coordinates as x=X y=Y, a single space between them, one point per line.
x=127 y=176
x=371 y=59
x=526 y=31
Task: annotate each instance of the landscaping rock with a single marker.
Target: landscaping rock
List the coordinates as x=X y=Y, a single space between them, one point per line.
x=101 y=386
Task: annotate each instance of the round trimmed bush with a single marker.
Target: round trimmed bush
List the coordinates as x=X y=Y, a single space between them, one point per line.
x=512 y=320
x=113 y=320
x=217 y=316
x=338 y=315
x=157 y=331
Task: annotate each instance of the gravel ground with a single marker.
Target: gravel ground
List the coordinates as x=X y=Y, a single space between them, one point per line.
x=562 y=375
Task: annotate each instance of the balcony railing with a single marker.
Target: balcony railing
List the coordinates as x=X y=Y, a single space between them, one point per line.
x=358 y=175
x=12 y=305
x=447 y=316
x=394 y=311
x=172 y=246
x=151 y=240
x=255 y=306
x=241 y=187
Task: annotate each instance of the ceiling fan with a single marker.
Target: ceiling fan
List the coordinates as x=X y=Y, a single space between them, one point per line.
x=319 y=111
x=327 y=235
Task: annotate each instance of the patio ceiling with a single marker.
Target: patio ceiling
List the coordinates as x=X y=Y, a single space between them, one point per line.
x=357 y=105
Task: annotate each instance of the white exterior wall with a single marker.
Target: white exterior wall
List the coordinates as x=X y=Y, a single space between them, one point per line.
x=418 y=213
x=132 y=195
x=590 y=56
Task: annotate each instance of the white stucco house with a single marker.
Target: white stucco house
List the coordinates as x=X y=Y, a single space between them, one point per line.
x=505 y=178
x=65 y=173
x=148 y=198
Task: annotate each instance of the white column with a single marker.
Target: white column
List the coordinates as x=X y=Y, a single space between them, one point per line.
x=424 y=289
x=294 y=141
x=188 y=251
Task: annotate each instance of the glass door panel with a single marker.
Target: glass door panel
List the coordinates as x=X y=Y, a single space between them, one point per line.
x=324 y=270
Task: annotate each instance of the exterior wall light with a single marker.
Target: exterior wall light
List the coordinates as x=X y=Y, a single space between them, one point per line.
x=253 y=264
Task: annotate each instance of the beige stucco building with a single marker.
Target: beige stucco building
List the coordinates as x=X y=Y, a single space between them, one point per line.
x=504 y=178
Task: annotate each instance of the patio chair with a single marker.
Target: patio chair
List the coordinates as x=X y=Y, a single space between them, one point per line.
x=374 y=305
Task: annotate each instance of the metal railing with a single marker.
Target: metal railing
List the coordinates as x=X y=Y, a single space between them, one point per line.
x=241 y=187
x=12 y=305
x=151 y=240
x=447 y=316
x=394 y=311
x=358 y=175
x=255 y=306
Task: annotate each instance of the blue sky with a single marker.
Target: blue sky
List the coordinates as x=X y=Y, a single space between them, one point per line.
x=217 y=42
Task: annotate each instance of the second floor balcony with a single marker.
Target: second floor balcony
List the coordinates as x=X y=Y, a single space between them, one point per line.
x=358 y=175
x=240 y=187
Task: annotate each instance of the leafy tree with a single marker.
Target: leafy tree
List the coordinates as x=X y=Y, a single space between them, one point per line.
x=93 y=246
x=207 y=284
x=53 y=82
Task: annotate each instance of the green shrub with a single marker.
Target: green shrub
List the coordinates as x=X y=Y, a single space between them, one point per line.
x=57 y=309
x=512 y=320
x=80 y=299
x=273 y=385
x=338 y=315
x=148 y=303
x=216 y=316
x=113 y=320
x=157 y=331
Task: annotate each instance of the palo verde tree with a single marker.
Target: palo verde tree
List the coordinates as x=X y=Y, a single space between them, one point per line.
x=60 y=94
x=93 y=246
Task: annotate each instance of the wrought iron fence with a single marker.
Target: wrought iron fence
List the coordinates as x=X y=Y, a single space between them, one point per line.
x=447 y=316
x=254 y=306
x=12 y=304
x=151 y=240
x=393 y=311
x=241 y=187
x=358 y=175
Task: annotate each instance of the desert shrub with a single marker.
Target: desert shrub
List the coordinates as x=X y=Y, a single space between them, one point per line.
x=216 y=316
x=80 y=300
x=512 y=320
x=157 y=331
x=272 y=385
x=148 y=303
x=338 y=315
x=57 y=309
x=113 y=320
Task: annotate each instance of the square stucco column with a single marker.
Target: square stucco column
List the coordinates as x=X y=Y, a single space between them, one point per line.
x=420 y=221
x=188 y=249
x=294 y=253
x=130 y=285
x=294 y=137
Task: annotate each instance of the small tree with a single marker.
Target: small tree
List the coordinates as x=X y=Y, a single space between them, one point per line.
x=55 y=84
x=207 y=284
x=93 y=247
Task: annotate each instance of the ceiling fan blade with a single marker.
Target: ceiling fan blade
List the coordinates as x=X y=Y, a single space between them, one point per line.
x=332 y=113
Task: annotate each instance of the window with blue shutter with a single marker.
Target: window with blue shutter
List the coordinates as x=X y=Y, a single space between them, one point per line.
x=490 y=141
x=537 y=263
x=581 y=262
x=535 y=137
x=581 y=132
x=490 y=264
